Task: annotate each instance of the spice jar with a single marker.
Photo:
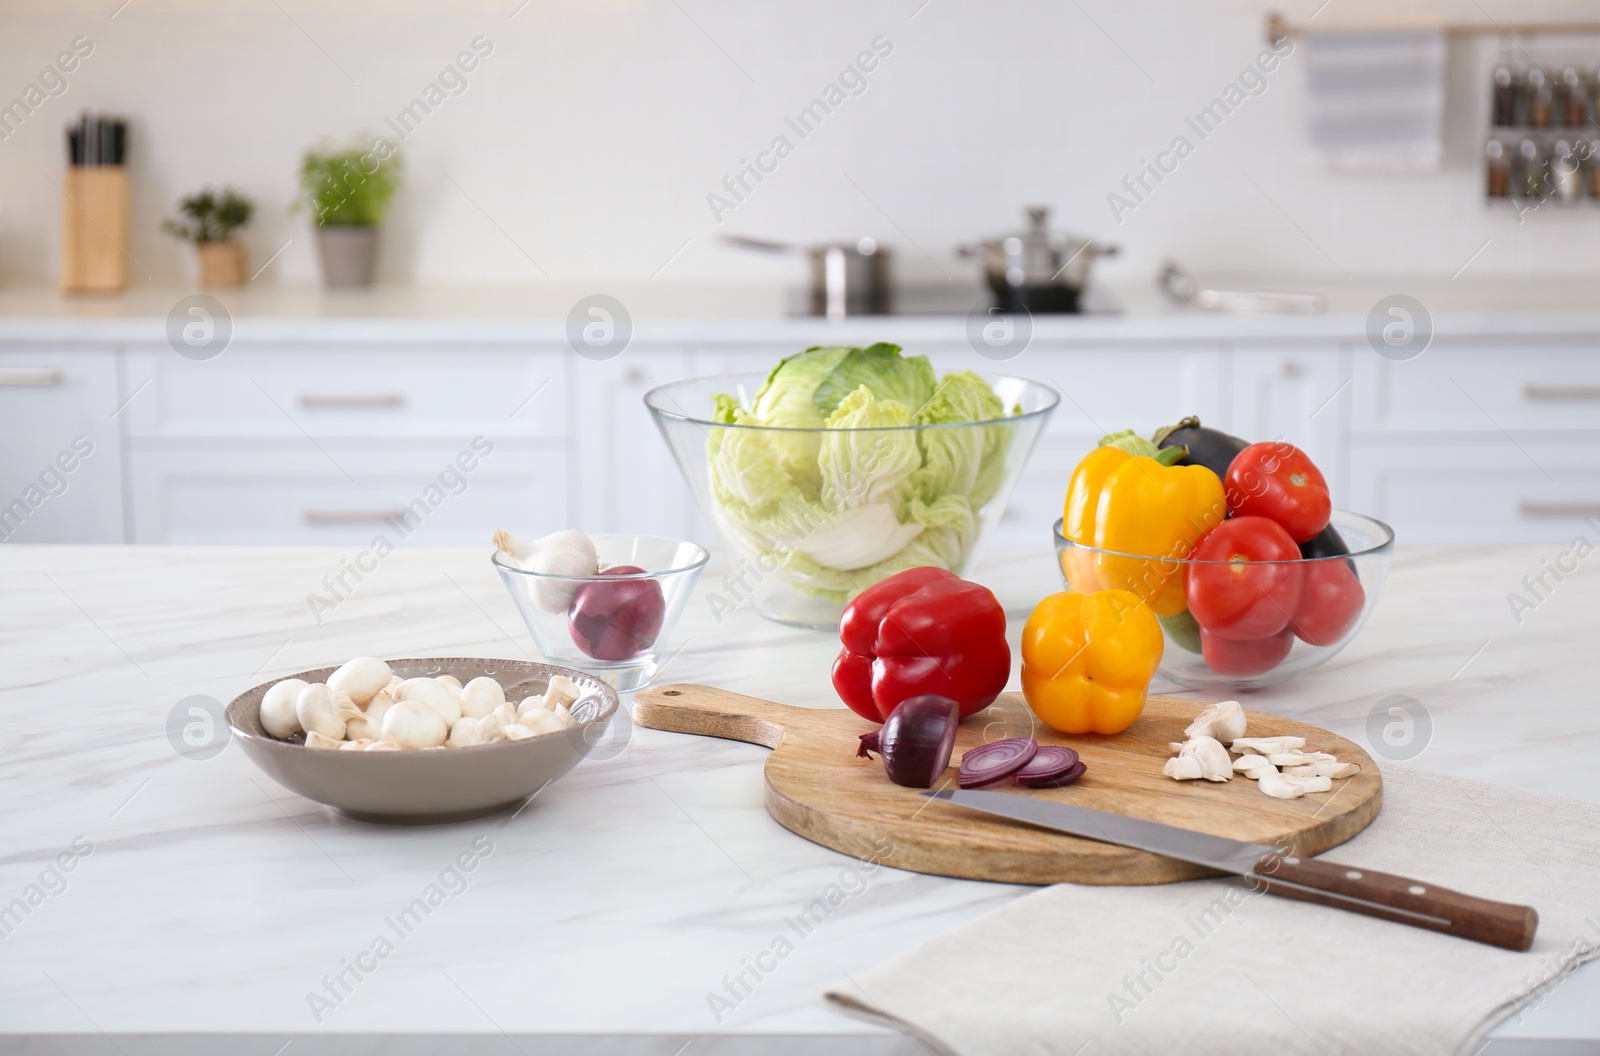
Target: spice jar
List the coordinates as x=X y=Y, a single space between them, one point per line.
x=1541 y=99
x=1564 y=175
x=1499 y=170
x=1506 y=86
x=1574 y=99
x=1533 y=180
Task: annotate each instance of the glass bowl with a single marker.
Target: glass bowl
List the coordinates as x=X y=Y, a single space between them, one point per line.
x=1241 y=665
x=615 y=627
x=799 y=506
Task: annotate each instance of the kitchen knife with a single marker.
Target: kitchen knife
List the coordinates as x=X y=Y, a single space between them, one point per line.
x=1267 y=868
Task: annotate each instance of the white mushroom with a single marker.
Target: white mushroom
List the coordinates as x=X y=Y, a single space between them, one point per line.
x=1174 y=747
x=1223 y=721
x=278 y=717
x=1311 y=784
x=317 y=740
x=1184 y=768
x=481 y=696
x=1253 y=766
x=561 y=690
x=466 y=732
x=362 y=678
x=1214 y=762
x=1334 y=769
x=497 y=720
x=559 y=554
x=1277 y=786
x=413 y=724
x=517 y=732
x=566 y=718
x=450 y=680
x=325 y=711
x=1267 y=745
x=382 y=746
x=530 y=707
x=358 y=745
x=544 y=722
x=445 y=701
x=370 y=724
x=393 y=684
x=1299 y=758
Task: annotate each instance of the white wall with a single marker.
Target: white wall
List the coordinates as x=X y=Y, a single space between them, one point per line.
x=594 y=132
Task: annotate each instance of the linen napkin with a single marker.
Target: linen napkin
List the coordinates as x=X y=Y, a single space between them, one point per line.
x=1210 y=966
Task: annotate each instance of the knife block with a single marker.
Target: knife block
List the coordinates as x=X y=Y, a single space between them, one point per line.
x=94 y=229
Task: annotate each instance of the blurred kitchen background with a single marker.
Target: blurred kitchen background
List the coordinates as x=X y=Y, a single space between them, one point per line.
x=1443 y=370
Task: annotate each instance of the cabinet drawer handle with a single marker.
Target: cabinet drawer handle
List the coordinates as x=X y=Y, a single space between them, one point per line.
x=1529 y=508
x=327 y=401
x=29 y=377
x=352 y=516
x=1561 y=392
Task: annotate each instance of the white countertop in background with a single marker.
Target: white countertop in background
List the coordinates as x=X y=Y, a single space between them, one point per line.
x=666 y=312
x=213 y=901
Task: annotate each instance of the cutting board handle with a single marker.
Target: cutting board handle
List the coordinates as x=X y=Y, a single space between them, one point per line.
x=706 y=711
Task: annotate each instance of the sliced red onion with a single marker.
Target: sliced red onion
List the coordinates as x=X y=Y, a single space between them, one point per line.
x=988 y=763
x=1063 y=780
x=1048 y=762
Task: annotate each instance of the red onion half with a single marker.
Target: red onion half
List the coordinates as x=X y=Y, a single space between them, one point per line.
x=916 y=740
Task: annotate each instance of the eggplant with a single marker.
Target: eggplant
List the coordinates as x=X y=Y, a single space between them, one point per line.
x=1328 y=543
x=1211 y=448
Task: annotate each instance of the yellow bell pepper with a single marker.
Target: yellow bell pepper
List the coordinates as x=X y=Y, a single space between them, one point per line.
x=1087 y=660
x=1149 y=513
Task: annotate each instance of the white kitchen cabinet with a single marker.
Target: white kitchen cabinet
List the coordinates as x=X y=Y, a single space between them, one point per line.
x=430 y=494
x=626 y=480
x=1482 y=386
x=1301 y=395
x=349 y=391
x=61 y=455
x=1482 y=493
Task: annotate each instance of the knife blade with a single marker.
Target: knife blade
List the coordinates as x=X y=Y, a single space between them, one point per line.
x=1383 y=895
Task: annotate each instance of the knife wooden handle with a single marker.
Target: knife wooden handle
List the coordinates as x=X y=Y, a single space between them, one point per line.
x=1399 y=899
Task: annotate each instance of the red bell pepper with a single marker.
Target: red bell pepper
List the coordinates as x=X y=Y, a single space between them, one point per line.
x=924 y=630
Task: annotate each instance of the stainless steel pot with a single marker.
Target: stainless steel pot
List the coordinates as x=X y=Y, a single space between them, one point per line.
x=1038 y=269
x=847 y=278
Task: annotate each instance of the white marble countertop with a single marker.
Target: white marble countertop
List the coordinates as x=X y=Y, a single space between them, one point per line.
x=666 y=312
x=211 y=901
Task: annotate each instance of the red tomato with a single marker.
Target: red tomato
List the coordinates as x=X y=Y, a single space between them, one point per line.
x=1227 y=657
x=1330 y=602
x=1255 y=586
x=1278 y=481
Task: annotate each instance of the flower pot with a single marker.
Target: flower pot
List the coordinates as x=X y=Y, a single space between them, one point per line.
x=221 y=263
x=349 y=254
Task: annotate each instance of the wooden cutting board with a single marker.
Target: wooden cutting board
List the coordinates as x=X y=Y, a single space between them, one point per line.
x=815 y=786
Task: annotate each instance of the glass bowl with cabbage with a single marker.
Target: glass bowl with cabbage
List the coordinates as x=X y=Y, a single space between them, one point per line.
x=843 y=466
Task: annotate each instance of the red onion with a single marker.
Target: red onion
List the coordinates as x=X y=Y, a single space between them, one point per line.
x=916 y=740
x=1048 y=762
x=988 y=763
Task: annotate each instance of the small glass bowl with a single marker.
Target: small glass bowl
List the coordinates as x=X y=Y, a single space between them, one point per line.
x=615 y=627
x=1085 y=568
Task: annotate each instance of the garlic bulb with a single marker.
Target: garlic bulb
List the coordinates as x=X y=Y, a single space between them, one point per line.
x=317 y=740
x=277 y=708
x=564 y=553
x=370 y=724
x=325 y=711
x=433 y=693
x=413 y=724
x=481 y=696
x=362 y=678
x=466 y=732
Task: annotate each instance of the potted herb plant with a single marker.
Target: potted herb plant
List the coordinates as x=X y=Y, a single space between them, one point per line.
x=348 y=190
x=209 y=219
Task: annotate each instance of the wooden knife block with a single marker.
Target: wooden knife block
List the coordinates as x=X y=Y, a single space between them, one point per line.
x=94 y=229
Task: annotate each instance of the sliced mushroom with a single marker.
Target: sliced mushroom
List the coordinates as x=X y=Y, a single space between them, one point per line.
x=1299 y=758
x=1223 y=721
x=1267 y=745
x=1277 y=786
x=1214 y=762
x=1334 y=769
x=1311 y=784
x=1184 y=768
x=1253 y=766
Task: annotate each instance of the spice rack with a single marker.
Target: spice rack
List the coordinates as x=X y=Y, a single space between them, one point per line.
x=1544 y=137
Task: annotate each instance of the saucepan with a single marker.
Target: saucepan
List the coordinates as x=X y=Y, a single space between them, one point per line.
x=847 y=278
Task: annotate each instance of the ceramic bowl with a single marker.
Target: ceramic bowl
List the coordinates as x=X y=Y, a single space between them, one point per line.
x=433 y=785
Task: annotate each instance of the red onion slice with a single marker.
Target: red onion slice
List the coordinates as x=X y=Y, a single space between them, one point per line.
x=1063 y=780
x=1048 y=762
x=988 y=763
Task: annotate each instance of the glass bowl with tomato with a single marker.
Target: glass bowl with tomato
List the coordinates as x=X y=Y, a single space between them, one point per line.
x=1249 y=607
